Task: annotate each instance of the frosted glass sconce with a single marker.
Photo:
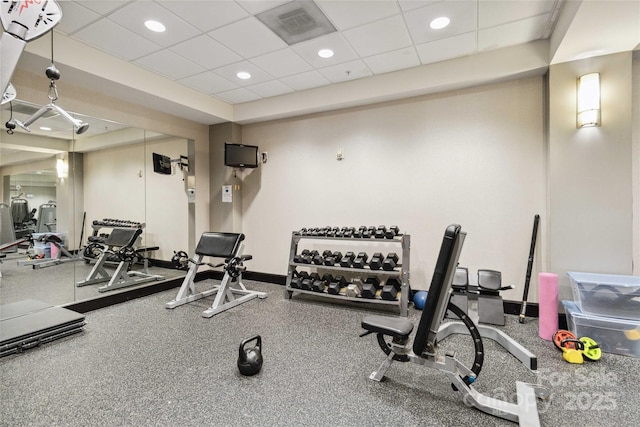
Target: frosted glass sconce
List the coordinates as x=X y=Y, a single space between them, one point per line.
x=588 y=100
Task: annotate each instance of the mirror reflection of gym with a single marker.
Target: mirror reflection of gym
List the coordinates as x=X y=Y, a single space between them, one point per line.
x=107 y=174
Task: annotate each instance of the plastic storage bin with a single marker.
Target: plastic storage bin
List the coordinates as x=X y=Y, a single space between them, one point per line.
x=618 y=336
x=607 y=294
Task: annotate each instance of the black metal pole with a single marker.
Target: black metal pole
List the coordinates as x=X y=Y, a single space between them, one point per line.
x=532 y=251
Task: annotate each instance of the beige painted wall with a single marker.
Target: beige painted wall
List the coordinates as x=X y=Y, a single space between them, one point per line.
x=590 y=176
x=474 y=157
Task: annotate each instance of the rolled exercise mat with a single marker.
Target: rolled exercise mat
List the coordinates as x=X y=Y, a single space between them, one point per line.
x=548 y=306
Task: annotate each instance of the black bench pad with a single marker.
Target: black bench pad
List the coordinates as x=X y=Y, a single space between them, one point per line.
x=392 y=326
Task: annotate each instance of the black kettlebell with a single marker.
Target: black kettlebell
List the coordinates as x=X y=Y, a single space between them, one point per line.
x=250 y=360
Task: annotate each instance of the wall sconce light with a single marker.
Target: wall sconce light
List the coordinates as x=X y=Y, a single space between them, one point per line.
x=62 y=168
x=588 y=100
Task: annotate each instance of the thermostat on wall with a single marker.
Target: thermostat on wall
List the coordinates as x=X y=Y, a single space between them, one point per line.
x=227 y=195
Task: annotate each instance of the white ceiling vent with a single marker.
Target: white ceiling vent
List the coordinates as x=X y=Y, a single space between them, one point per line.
x=297 y=21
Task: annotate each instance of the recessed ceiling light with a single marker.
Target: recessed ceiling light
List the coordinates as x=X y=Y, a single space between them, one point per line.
x=243 y=75
x=156 y=26
x=440 y=23
x=325 y=53
x=45 y=128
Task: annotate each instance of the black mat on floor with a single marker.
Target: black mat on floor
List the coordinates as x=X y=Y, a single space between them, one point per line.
x=29 y=323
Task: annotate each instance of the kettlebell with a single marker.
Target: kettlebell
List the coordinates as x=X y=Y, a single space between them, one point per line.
x=572 y=355
x=250 y=359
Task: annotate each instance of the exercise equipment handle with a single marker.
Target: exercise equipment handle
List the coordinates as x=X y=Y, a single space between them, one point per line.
x=527 y=281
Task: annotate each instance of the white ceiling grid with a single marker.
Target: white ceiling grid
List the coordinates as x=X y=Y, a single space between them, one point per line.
x=208 y=42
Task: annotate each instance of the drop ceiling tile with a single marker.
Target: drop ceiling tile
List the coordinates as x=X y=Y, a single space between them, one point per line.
x=393 y=61
x=347 y=71
x=378 y=37
x=209 y=83
x=257 y=74
x=205 y=51
x=463 y=15
x=206 y=15
x=270 y=88
x=237 y=96
x=248 y=38
x=133 y=16
x=256 y=6
x=113 y=38
x=308 y=50
x=349 y=14
x=170 y=64
x=282 y=63
x=75 y=16
x=511 y=34
x=304 y=81
x=407 y=5
x=449 y=48
x=497 y=12
x=103 y=7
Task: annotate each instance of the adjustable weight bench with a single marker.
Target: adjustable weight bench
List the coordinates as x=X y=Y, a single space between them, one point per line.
x=120 y=243
x=393 y=337
x=228 y=246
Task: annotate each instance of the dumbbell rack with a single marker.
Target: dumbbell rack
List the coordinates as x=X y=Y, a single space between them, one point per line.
x=356 y=244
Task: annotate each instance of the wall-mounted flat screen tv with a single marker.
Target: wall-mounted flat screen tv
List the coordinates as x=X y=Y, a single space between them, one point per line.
x=161 y=164
x=240 y=156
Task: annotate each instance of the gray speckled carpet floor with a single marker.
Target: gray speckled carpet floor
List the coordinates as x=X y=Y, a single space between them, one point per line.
x=139 y=364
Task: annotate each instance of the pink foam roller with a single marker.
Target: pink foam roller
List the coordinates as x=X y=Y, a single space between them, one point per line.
x=548 y=305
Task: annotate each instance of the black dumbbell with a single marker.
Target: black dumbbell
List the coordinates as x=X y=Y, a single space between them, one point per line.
x=360 y=261
x=306 y=283
x=347 y=259
x=318 y=284
x=358 y=233
x=299 y=258
x=390 y=262
x=390 y=289
x=319 y=259
x=307 y=257
x=370 y=287
x=380 y=232
x=336 y=285
x=298 y=276
x=296 y=280
x=333 y=259
x=392 y=232
x=376 y=261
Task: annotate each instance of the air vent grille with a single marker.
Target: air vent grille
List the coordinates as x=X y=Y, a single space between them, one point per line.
x=297 y=21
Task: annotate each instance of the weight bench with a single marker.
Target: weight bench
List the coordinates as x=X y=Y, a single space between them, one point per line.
x=228 y=246
x=120 y=244
x=56 y=241
x=431 y=330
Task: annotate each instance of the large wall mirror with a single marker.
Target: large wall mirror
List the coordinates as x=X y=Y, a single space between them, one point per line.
x=73 y=197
